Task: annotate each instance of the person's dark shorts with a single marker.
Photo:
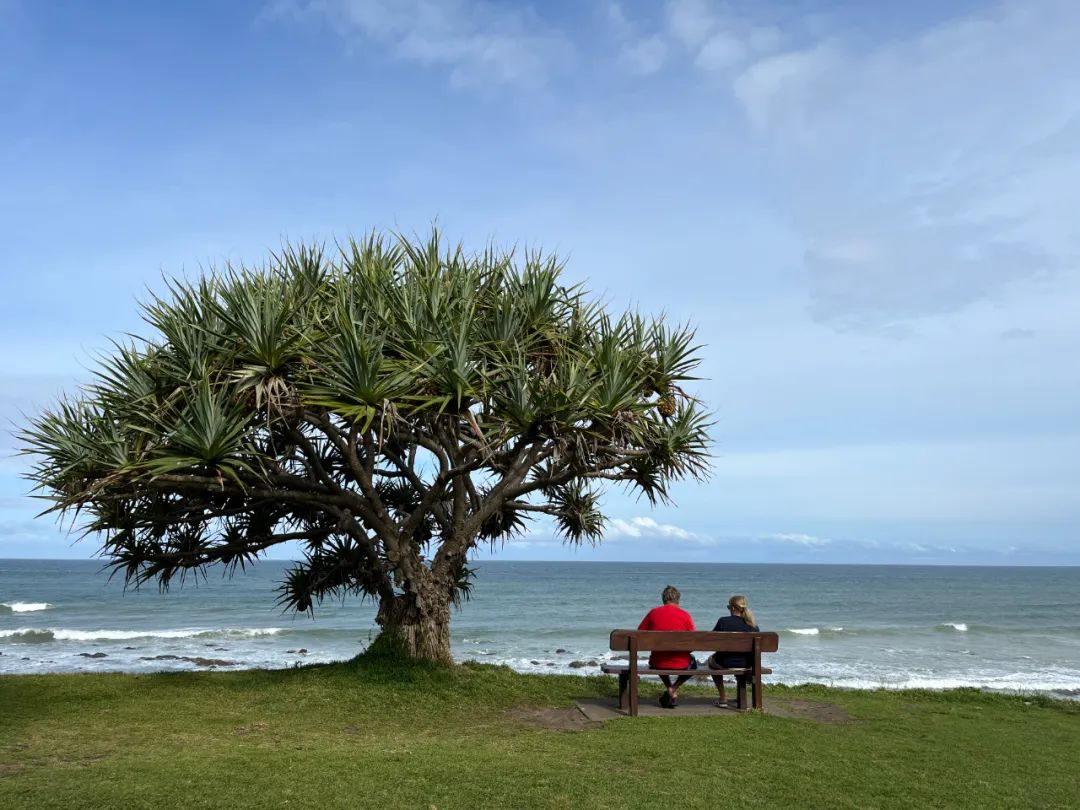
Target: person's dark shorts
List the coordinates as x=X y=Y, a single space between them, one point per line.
x=726 y=662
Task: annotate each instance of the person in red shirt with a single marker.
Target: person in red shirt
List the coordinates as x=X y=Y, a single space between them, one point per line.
x=669 y=616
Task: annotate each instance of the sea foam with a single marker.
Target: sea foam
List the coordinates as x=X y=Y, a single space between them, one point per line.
x=959 y=627
x=804 y=631
x=33 y=634
x=25 y=607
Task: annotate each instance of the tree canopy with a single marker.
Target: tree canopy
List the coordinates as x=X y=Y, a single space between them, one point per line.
x=389 y=405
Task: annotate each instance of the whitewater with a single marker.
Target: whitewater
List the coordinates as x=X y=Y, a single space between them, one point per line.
x=851 y=626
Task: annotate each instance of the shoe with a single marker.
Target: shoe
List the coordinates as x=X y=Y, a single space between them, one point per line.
x=674 y=703
x=665 y=699
x=720 y=704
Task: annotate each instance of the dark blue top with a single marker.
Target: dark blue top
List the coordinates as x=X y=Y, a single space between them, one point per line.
x=733 y=624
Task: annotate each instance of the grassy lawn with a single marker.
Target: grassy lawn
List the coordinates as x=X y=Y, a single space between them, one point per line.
x=369 y=734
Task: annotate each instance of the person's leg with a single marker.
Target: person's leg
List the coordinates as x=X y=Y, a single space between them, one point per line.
x=719 y=681
x=679 y=681
x=665 y=696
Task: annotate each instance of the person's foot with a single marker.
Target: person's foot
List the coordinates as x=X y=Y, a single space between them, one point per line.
x=674 y=703
x=720 y=704
x=665 y=699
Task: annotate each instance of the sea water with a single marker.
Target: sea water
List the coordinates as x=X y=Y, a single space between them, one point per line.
x=853 y=626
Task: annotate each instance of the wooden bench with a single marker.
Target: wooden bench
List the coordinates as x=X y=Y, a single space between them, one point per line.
x=635 y=641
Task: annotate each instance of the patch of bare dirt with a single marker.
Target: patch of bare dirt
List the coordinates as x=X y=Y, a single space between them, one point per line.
x=572 y=719
x=808 y=710
x=9 y=769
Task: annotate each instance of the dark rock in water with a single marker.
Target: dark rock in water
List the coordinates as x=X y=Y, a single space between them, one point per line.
x=550 y=663
x=536 y=663
x=577 y=664
x=197 y=660
x=560 y=650
x=210 y=662
x=221 y=649
x=94 y=655
x=594 y=663
x=25 y=658
x=301 y=651
x=131 y=648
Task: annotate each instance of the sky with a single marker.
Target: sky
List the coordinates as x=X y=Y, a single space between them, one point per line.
x=867 y=209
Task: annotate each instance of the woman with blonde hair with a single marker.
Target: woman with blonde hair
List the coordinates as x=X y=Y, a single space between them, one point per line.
x=740 y=619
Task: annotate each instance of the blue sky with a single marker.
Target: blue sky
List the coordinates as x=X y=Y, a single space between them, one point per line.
x=869 y=210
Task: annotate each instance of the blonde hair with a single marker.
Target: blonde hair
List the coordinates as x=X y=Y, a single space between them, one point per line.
x=738 y=603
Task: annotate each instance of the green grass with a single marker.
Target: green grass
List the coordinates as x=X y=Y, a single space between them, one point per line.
x=371 y=734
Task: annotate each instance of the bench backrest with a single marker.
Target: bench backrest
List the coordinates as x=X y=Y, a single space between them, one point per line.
x=678 y=640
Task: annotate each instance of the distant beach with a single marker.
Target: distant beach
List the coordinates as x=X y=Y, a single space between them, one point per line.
x=847 y=626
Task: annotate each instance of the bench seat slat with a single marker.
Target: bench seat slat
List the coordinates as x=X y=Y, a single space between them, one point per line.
x=615 y=669
x=678 y=640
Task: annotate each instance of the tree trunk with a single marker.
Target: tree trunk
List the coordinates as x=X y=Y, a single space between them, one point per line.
x=418 y=621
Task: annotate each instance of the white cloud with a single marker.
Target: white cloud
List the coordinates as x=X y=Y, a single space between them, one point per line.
x=481 y=43
x=800 y=539
x=929 y=172
x=720 y=52
x=690 y=22
x=777 y=92
x=644 y=57
x=639 y=55
x=716 y=40
x=1017 y=333
x=647 y=527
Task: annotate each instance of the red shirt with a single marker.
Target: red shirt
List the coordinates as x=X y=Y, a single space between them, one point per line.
x=668 y=617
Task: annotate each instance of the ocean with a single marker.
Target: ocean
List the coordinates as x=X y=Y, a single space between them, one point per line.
x=843 y=625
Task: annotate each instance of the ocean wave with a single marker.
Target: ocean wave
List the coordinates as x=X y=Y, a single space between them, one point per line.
x=25 y=607
x=1058 y=633
x=1061 y=681
x=32 y=635
x=1017 y=683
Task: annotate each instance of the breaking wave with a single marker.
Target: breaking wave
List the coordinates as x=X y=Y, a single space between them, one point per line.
x=25 y=607
x=30 y=635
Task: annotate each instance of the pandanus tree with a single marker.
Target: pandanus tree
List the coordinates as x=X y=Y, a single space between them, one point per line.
x=389 y=406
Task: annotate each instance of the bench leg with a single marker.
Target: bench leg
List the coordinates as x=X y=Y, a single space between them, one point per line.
x=758 y=702
x=624 y=680
x=633 y=696
x=740 y=691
